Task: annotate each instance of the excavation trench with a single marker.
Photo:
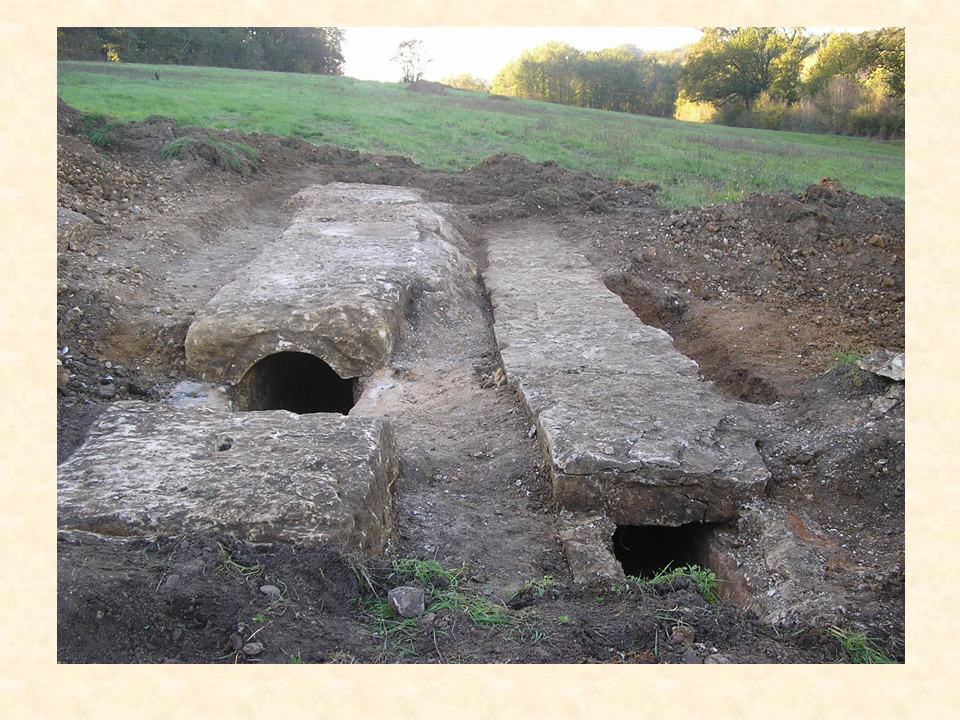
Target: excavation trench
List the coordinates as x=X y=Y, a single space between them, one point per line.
x=367 y=308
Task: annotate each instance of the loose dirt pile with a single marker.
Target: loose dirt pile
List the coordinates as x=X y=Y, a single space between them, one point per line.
x=764 y=294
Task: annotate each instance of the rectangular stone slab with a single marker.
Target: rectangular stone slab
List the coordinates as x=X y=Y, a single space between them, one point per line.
x=149 y=468
x=629 y=428
x=333 y=284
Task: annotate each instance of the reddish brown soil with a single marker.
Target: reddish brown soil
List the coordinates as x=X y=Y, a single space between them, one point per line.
x=762 y=293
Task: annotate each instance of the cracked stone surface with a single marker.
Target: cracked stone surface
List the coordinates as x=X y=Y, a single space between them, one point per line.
x=334 y=284
x=264 y=476
x=627 y=425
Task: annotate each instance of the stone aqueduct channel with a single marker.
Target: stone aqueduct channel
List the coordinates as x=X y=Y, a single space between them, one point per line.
x=630 y=434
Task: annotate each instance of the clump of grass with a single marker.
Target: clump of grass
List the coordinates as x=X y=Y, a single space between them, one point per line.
x=445 y=595
x=179 y=149
x=849 y=358
x=234 y=156
x=102 y=130
x=444 y=587
x=704 y=579
x=235 y=568
x=538 y=588
x=858 y=648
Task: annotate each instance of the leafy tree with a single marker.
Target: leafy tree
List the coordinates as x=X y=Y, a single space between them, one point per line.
x=843 y=55
x=622 y=79
x=875 y=58
x=737 y=65
x=547 y=72
x=304 y=50
x=887 y=52
x=412 y=58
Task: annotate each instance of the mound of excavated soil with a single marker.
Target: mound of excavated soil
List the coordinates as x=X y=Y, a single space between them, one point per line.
x=762 y=294
x=427 y=87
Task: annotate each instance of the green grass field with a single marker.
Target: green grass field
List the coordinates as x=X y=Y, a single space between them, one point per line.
x=695 y=164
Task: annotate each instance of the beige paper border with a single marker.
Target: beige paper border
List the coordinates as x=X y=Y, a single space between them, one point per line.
x=32 y=685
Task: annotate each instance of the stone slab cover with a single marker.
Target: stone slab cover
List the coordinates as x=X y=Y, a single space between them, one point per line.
x=148 y=468
x=629 y=428
x=333 y=284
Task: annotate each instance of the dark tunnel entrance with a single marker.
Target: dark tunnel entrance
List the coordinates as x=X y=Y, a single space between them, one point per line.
x=645 y=550
x=295 y=381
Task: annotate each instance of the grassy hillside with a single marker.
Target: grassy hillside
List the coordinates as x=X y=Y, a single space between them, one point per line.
x=695 y=164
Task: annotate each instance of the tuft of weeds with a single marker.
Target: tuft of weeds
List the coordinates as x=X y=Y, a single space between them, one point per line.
x=397 y=633
x=179 y=149
x=445 y=596
x=704 y=579
x=358 y=565
x=429 y=574
x=858 y=648
x=850 y=359
x=234 y=568
x=443 y=587
x=538 y=588
x=102 y=130
x=234 y=156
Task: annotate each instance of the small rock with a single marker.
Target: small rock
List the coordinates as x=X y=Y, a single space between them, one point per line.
x=886 y=364
x=108 y=391
x=895 y=392
x=690 y=657
x=252 y=649
x=717 y=659
x=271 y=591
x=177 y=634
x=882 y=405
x=63 y=376
x=683 y=634
x=408 y=602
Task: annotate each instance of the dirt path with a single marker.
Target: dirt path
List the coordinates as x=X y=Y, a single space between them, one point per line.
x=470 y=490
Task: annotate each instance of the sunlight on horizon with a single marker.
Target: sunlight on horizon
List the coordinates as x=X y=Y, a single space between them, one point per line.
x=482 y=52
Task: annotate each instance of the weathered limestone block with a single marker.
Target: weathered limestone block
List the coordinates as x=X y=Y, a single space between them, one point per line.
x=334 y=284
x=587 y=546
x=148 y=468
x=627 y=425
x=647 y=450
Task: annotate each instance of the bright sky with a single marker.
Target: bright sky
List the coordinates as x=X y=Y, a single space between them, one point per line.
x=482 y=52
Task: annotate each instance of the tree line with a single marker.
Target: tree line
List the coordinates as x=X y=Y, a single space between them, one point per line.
x=622 y=79
x=774 y=78
x=315 y=50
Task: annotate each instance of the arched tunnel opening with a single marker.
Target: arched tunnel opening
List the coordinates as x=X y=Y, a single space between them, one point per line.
x=645 y=550
x=295 y=381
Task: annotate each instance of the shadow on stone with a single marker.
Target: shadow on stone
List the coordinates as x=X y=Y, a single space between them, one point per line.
x=644 y=551
x=295 y=381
